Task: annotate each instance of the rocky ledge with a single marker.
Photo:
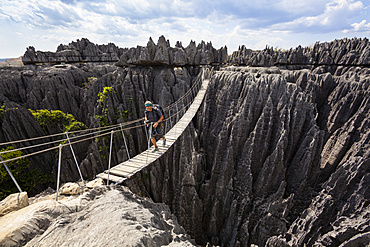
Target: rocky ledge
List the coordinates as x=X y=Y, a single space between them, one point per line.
x=98 y=215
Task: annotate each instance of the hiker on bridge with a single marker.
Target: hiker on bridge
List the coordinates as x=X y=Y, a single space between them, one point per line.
x=154 y=114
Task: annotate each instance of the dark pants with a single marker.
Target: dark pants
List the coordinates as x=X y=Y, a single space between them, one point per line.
x=158 y=132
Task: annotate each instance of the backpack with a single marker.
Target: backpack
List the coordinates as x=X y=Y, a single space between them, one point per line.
x=158 y=107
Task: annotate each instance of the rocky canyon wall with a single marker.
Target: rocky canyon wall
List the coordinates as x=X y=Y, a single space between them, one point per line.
x=276 y=156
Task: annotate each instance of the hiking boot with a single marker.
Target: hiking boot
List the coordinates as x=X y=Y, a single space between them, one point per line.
x=164 y=142
x=155 y=149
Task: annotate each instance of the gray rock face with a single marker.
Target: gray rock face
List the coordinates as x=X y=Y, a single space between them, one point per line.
x=102 y=216
x=75 y=90
x=80 y=51
x=116 y=218
x=339 y=52
x=83 y=51
x=276 y=156
x=273 y=156
x=164 y=54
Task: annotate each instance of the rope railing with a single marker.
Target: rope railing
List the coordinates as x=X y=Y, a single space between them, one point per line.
x=182 y=110
x=97 y=129
x=101 y=132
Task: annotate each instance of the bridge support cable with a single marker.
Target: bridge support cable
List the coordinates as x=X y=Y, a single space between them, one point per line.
x=58 y=174
x=188 y=110
x=185 y=105
x=74 y=156
x=110 y=154
x=124 y=139
x=11 y=175
x=149 y=134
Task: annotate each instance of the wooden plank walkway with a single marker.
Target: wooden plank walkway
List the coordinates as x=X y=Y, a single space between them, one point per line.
x=127 y=169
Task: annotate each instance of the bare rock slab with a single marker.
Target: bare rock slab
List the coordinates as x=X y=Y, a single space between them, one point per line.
x=13 y=202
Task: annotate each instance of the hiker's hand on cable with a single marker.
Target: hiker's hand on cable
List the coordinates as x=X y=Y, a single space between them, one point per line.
x=155 y=125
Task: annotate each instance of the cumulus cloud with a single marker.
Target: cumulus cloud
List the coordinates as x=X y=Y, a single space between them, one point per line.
x=359 y=27
x=42 y=14
x=336 y=16
x=127 y=23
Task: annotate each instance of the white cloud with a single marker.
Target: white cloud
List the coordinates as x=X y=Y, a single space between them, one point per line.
x=361 y=26
x=336 y=16
x=283 y=23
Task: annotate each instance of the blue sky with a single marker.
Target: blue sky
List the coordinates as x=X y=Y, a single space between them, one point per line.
x=45 y=24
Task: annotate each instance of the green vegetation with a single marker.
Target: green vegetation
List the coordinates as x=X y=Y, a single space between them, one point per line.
x=26 y=177
x=106 y=100
x=102 y=100
x=103 y=103
x=2 y=111
x=54 y=118
x=102 y=96
x=104 y=120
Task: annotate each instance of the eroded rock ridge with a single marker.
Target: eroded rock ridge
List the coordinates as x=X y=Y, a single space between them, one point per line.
x=84 y=51
x=348 y=52
x=276 y=156
x=80 y=51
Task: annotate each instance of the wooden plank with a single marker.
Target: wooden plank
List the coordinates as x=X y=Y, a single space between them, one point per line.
x=150 y=158
x=170 y=138
x=130 y=164
x=113 y=178
x=137 y=160
x=127 y=169
x=120 y=174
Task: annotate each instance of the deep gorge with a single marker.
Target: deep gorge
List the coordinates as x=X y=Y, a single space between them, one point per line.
x=276 y=156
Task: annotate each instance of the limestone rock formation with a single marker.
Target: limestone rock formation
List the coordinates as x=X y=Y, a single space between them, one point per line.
x=349 y=52
x=13 y=202
x=99 y=217
x=75 y=90
x=80 y=51
x=274 y=153
x=276 y=156
x=164 y=54
x=84 y=51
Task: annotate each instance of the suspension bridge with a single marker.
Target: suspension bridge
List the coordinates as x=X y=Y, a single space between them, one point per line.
x=127 y=169
x=178 y=120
